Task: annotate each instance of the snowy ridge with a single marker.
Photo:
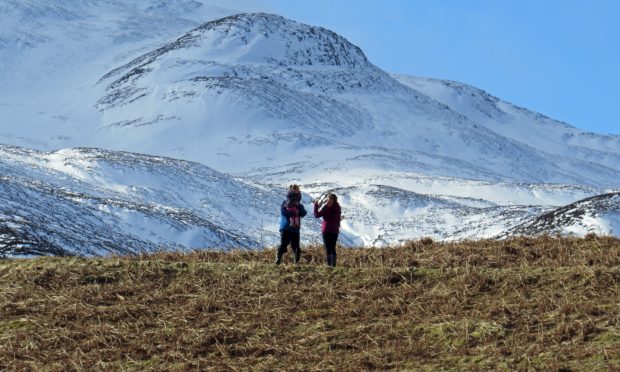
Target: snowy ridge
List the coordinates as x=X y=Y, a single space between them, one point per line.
x=543 y=133
x=262 y=39
x=270 y=77
x=71 y=32
x=89 y=201
x=599 y=215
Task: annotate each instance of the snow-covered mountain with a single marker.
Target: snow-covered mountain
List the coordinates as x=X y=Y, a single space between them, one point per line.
x=280 y=83
x=260 y=86
x=518 y=124
x=91 y=202
x=52 y=53
x=599 y=214
x=268 y=102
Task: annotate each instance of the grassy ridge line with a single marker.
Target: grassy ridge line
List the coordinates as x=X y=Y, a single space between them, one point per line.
x=518 y=252
x=520 y=304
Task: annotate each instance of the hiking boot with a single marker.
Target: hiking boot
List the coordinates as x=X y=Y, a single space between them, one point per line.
x=331 y=260
x=297 y=255
x=278 y=258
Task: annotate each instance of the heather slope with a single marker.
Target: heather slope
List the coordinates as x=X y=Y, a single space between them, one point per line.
x=520 y=304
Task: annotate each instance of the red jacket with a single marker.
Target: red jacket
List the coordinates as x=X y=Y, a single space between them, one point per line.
x=331 y=217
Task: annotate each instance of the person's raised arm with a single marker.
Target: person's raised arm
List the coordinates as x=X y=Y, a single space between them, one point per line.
x=317 y=213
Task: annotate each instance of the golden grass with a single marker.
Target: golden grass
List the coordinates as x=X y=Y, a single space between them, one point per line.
x=544 y=303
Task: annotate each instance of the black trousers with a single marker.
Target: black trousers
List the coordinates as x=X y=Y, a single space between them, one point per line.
x=329 y=240
x=289 y=237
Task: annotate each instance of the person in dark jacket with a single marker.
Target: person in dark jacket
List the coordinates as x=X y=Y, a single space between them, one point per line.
x=330 y=227
x=291 y=213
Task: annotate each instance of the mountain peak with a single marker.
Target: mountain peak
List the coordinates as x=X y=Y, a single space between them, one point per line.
x=269 y=38
x=262 y=39
x=248 y=49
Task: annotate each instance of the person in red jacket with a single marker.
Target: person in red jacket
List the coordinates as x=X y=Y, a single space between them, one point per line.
x=330 y=227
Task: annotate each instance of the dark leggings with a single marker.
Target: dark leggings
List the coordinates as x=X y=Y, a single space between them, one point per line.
x=289 y=237
x=329 y=240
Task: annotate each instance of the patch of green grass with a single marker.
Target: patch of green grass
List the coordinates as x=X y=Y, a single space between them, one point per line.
x=7 y=326
x=609 y=338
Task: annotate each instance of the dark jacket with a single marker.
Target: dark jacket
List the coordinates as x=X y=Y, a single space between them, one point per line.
x=286 y=213
x=331 y=217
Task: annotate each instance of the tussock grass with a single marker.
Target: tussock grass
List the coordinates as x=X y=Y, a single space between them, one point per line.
x=525 y=303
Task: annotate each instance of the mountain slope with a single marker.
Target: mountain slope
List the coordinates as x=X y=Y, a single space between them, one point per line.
x=93 y=202
x=255 y=101
x=543 y=133
x=88 y=201
x=598 y=214
x=266 y=76
x=52 y=53
x=259 y=86
x=66 y=35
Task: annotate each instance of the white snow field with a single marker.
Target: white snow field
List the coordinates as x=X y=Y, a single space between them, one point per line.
x=179 y=124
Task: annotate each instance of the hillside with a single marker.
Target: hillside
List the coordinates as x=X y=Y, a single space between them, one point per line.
x=91 y=202
x=259 y=86
x=522 y=304
x=595 y=214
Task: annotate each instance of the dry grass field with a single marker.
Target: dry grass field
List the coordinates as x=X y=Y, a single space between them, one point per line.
x=525 y=304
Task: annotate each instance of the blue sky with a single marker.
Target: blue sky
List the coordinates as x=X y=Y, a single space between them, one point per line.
x=557 y=57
